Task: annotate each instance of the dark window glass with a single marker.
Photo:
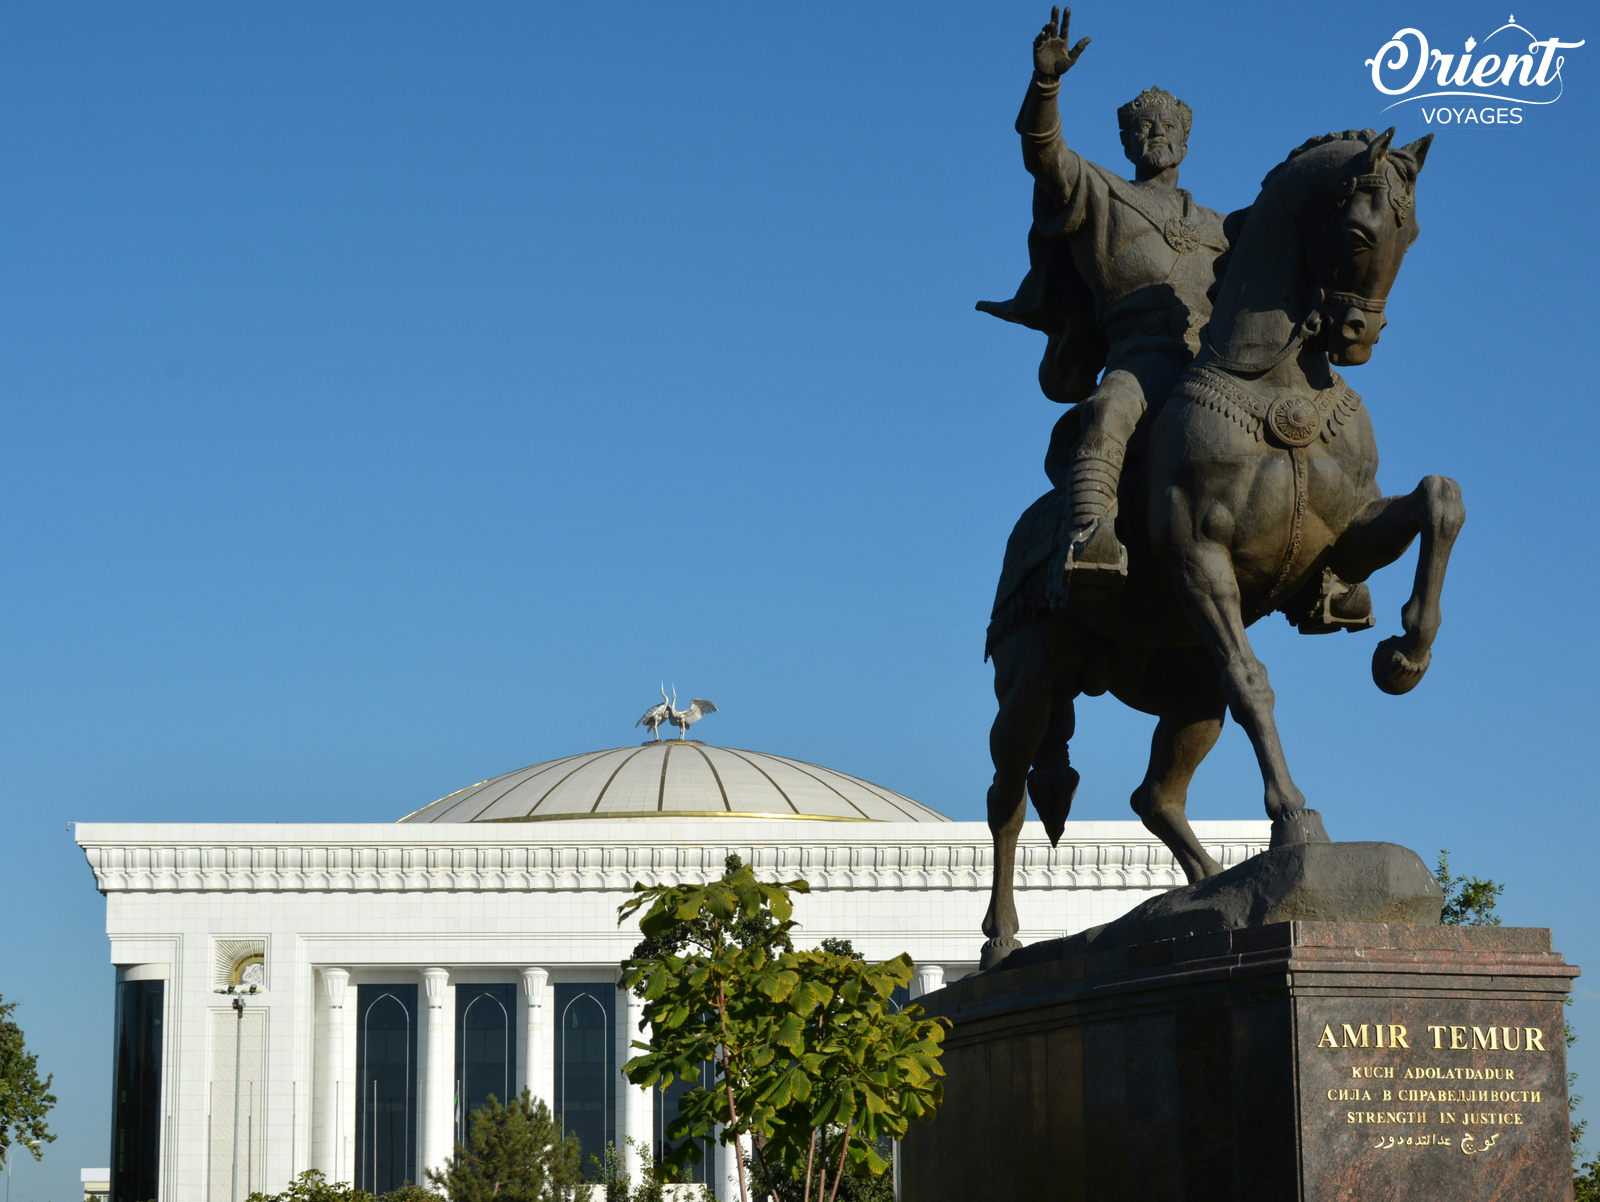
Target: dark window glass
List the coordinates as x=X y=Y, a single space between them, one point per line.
x=666 y=1109
x=136 y=1094
x=386 y=1094
x=899 y=999
x=586 y=1065
x=486 y=1049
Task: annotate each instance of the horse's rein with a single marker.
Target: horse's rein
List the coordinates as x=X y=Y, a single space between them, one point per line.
x=1310 y=325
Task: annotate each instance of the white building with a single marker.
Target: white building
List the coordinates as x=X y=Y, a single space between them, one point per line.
x=407 y=971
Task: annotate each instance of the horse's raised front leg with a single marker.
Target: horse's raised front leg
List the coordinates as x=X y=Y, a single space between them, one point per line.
x=1378 y=537
x=1176 y=750
x=1209 y=592
x=1023 y=684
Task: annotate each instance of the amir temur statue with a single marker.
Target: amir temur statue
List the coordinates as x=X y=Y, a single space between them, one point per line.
x=1213 y=467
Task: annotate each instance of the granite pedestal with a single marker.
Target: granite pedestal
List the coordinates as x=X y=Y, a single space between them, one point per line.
x=1303 y=1061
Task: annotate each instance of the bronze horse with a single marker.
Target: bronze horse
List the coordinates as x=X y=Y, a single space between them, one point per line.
x=1251 y=489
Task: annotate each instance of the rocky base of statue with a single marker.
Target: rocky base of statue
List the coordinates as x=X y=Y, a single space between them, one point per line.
x=1290 y=882
x=1300 y=1061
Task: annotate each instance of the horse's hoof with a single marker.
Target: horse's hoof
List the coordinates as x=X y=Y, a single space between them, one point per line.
x=996 y=950
x=1298 y=826
x=1392 y=671
x=1052 y=789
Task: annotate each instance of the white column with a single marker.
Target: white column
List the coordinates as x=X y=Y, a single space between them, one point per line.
x=726 y=1183
x=437 y=1127
x=637 y=1121
x=927 y=979
x=536 y=1041
x=333 y=1098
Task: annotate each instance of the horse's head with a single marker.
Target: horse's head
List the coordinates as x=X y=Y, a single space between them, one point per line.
x=1357 y=238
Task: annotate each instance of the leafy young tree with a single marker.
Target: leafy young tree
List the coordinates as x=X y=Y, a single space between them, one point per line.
x=654 y=1179
x=312 y=1186
x=24 y=1099
x=1468 y=900
x=760 y=929
x=1586 y=1184
x=810 y=1060
x=515 y=1154
x=1574 y=1100
x=411 y=1193
x=860 y=1184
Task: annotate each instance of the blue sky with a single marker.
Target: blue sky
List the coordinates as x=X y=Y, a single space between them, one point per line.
x=395 y=393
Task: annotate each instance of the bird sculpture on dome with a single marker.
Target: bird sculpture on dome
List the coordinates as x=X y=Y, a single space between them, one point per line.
x=656 y=715
x=684 y=719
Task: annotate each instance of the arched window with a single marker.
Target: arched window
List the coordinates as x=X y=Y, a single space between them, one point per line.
x=586 y=1065
x=486 y=1050
x=386 y=1087
x=665 y=1102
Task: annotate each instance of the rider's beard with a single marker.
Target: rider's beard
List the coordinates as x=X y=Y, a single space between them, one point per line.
x=1161 y=155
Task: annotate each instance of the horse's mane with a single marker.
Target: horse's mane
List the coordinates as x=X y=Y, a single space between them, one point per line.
x=1233 y=223
x=1365 y=136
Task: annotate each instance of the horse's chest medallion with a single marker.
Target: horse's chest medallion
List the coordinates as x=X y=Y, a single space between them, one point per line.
x=1295 y=420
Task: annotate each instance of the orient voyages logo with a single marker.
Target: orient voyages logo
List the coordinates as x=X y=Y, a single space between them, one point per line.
x=1512 y=66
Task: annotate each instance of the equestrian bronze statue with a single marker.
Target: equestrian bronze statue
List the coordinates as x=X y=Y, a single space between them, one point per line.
x=1238 y=481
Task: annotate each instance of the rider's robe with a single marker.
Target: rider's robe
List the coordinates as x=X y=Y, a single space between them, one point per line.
x=1118 y=278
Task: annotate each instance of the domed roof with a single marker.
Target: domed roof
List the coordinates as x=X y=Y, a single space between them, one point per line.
x=674 y=779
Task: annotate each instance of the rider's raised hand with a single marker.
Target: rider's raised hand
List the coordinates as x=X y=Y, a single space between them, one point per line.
x=1051 y=55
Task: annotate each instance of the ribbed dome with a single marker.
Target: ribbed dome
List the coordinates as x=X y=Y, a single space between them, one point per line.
x=673 y=779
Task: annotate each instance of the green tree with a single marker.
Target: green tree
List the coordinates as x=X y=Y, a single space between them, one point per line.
x=612 y=1175
x=760 y=929
x=411 y=1193
x=1468 y=900
x=515 y=1154
x=810 y=1060
x=1574 y=1100
x=24 y=1099
x=312 y=1186
x=860 y=1183
x=1586 y=1183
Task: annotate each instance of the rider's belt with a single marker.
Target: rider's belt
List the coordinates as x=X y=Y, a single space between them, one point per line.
x=1288 y=419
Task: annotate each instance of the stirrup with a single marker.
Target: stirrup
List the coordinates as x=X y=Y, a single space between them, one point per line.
x=1336 y=606
x=1101 y=572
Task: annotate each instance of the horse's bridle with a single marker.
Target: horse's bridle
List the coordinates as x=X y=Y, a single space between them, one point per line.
x=1310 y=325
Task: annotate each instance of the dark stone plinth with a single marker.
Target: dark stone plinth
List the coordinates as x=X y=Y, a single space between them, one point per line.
x=1304 y=1061
x=1304 y=882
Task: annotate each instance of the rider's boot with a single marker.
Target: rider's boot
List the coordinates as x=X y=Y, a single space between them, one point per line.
x=1330 y=604
x=1096 y=563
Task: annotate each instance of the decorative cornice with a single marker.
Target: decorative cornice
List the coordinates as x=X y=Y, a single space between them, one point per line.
x=872 y=859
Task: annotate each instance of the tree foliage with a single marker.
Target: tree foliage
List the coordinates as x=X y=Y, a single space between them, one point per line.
x=760 y=929
x=1586 y=1183
x=24 y=1099
x=1469 y=901
x=651 y=1185
x=516 y=1153
x=312 y=1186
x=810 y=1059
